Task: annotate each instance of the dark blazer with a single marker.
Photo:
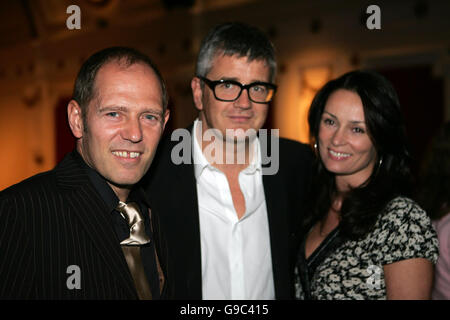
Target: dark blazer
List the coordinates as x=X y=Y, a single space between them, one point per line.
x=57 y=219
x=172 y=191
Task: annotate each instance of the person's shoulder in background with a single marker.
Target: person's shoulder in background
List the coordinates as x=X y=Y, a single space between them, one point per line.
x=441 y=288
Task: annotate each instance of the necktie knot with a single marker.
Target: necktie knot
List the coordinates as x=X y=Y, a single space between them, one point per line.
x=130 y=211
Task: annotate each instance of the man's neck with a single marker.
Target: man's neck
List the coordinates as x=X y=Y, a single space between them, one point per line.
x=121 y=192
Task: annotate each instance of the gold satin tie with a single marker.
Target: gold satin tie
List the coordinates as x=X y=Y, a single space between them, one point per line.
x=131 y=247
x=130 y=211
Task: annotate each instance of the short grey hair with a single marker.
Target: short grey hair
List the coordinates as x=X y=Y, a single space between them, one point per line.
x=239 y=39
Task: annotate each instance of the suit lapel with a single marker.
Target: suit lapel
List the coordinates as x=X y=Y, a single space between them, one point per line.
x=277 y=217
x=190 y=224
x=89 y=208
x=160 y=254
x=184 y=219
x=276 y=207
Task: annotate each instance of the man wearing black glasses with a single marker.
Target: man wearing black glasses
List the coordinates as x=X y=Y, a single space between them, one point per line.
x=231 y=227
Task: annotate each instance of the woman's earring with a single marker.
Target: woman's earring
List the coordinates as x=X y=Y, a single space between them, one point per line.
x=380 y=162
x=316 y=152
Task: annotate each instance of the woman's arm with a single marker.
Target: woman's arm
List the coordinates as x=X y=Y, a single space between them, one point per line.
x=409 y=279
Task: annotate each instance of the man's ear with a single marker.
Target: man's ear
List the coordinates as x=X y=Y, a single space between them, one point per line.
x=197 y=93
x=75 y=118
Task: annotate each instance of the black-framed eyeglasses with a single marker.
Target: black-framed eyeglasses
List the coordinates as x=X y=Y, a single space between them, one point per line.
x=230 y=90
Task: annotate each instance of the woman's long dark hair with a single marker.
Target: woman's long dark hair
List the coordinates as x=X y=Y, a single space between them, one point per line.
x=434 y=186
x=362 y=205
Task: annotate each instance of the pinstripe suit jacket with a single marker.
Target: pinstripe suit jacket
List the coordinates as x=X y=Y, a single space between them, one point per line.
x=54 y=220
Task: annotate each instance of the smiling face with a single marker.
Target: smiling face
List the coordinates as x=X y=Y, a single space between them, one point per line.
x=124 y=121
x=241 y=113
x=344 y=144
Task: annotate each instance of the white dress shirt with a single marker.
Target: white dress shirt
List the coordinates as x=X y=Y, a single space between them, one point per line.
x=236 y=254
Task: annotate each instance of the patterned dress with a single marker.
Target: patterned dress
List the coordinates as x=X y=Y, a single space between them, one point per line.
x=344 y=269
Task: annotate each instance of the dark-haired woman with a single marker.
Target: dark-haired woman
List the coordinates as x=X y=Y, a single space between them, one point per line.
x=364 y=238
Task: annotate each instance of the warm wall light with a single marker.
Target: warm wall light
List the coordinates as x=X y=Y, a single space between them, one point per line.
x=312 y=79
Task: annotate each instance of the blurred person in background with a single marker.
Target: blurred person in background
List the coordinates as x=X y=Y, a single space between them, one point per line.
x=434 y=197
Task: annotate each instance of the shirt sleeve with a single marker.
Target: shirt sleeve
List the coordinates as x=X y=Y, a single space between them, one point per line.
x=406 y=233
